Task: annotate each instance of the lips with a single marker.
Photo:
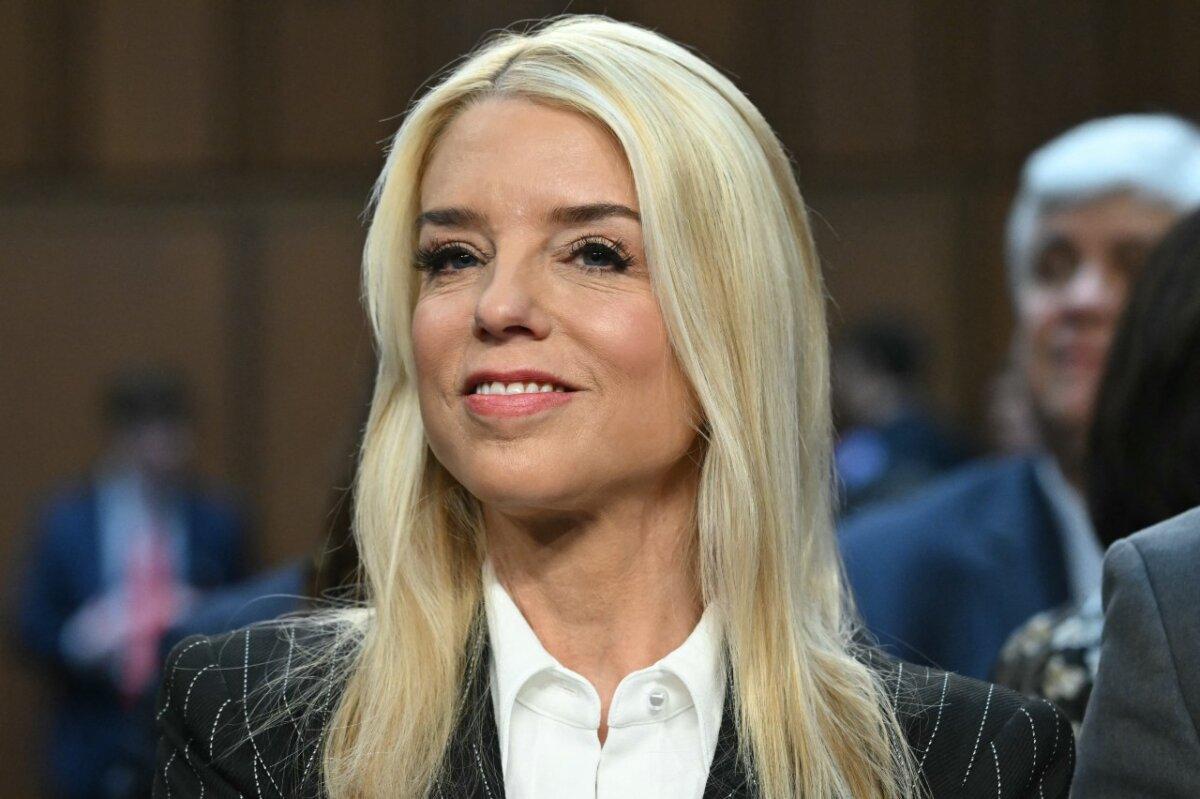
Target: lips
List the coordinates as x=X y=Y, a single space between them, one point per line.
x=1080 y=356
x=514 y=393
x=529 y=380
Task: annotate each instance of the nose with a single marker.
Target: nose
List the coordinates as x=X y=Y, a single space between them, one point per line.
x=509 y=304
x=1095 y=287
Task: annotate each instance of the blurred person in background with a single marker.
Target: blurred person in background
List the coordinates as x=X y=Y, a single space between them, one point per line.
x=330 y=575
x=888 y=441
x=327 y=575
x=1143 y=465
x=1010 y=425
x=947 y=575
x=116 y=558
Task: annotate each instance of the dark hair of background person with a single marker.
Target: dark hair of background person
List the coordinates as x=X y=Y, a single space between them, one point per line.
x=1143 y=464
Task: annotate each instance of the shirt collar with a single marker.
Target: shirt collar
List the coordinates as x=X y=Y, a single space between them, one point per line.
x=699 y=663
x=519 y=657
x=1081 y=550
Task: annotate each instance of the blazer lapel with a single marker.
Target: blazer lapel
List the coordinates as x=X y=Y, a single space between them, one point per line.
x=473 y=767
x=728 y=777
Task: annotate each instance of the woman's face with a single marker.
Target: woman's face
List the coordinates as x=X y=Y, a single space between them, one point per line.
x=545 y=376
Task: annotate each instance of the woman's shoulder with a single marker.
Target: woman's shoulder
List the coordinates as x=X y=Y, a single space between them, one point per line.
x=973 y=738
x=241 y=711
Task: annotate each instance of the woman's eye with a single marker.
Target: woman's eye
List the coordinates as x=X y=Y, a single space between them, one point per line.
x=446 y=259
x=594 y=255
x=460 y=260
x=1055 y=266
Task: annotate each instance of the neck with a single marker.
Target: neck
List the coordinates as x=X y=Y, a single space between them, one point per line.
x=1067 y=446
x=605 y=594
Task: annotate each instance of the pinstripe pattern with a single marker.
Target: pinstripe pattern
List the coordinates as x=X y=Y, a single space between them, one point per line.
x=970 y=739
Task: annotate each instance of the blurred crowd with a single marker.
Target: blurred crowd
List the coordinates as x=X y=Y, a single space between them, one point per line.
x=128 y=560
x=979 y=552
x=994 y=568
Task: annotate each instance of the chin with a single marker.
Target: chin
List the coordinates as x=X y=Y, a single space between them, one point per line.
x=1069 y=413
x=543 y=488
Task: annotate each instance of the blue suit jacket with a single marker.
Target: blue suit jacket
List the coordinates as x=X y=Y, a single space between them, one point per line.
x=943 y=577
x=90 y=731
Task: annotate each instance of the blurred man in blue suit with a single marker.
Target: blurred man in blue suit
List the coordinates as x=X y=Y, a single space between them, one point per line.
x=116 y=559
x=944 y=577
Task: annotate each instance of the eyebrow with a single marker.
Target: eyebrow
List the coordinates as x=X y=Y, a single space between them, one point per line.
x=563 y=215
x=593 y=212
x=451 y=217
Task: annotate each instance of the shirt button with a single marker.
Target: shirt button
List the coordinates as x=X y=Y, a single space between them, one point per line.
x=657 y=699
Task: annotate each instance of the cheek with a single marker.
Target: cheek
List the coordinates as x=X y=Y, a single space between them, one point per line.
x=439 y=338
x=438 y=335
x=1037 y=312
x=1036 y=308
x=632 y=340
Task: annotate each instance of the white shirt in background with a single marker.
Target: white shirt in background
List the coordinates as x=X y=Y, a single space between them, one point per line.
x=662 y=723
x=1081 y=549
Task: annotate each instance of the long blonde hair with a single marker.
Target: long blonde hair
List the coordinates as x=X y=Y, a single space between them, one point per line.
x=735 y=272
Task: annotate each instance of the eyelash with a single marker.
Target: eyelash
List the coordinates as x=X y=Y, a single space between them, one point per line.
x=432 y=259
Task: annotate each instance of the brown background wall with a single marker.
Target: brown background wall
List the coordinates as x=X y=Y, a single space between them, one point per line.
x=183 y=181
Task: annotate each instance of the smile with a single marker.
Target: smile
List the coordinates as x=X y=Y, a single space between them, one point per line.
x=496 y=387
x=516 y=399
x=516 y=392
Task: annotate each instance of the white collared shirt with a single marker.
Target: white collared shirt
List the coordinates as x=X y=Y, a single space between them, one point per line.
x=1082 y=552
x=662 y=722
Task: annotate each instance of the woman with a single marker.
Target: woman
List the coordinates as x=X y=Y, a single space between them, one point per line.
x=592 y=504
x=1143 y=464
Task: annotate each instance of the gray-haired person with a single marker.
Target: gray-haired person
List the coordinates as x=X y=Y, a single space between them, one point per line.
x=946 y=576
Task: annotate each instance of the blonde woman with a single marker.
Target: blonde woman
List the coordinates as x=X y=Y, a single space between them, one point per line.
x=592 y=503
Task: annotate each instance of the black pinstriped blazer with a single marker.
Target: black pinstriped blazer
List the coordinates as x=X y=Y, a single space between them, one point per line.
x=970 y=738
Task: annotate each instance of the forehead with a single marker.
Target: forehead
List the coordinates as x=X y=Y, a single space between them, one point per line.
x=1112 y=219
x=512 y=155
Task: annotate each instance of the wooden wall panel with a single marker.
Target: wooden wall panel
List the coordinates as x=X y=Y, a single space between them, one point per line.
x=325 y=66
x=982 y=311
x=1160 y=39
x=1181 y=65
x=152 y=87
x=859 y=81
x=16 y=85
x=1048 y=68
x=876 y=247
x=87 y=290
x=952 y=67
x=316 y=362
x=714 y=29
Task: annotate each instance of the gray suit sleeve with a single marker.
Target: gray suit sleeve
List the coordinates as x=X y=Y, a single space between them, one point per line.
x=1138 y=736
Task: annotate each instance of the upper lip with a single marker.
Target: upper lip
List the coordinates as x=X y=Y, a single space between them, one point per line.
x=512 y=376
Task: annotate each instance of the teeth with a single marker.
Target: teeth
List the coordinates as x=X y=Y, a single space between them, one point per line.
x=517 y=388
